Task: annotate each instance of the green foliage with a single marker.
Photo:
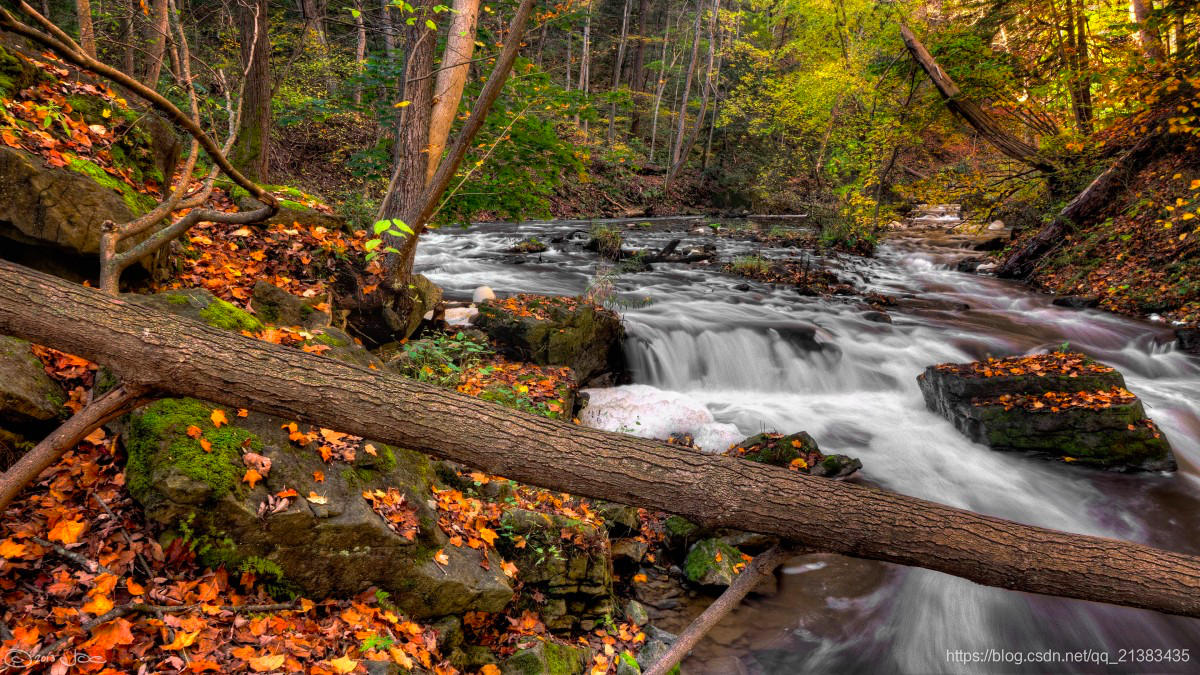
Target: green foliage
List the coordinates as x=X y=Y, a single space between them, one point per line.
x=750 y=266
x=607 y=240
x=441 y=359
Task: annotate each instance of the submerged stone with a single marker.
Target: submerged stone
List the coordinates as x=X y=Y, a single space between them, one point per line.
x=1063 y=404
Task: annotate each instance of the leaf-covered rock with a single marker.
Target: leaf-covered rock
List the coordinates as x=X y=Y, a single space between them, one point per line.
x=1063 y=405
x=798 y=452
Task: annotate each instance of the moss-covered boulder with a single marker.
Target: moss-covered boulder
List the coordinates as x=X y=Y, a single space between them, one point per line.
x=304 y=523
x=330 y=515
x=567 y=561
x=548 y=658
x=31 y=404
x=275 y=305
x=798 y=452
x=201 y=305
x=560 y=331
x=295 y=206
x=51 y=213
x=1062 y=405
x=712 y=562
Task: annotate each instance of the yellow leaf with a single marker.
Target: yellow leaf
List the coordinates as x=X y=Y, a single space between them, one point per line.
x=640 y=578
x=316 y=498
x=182 y=640
x=96 y=437
x=218 y=418
x=263 y=664
x=319 y=476
x=344 y=664
x=401 y=658
x=251 y=477
x=403 y=104
x=134 y=587
x=370 y=450
x=242 y=412
x=441 y=558
x=11 y=549
x=489 y=669
x=487 y=535
x=67 y=531
x=1069 y=459
x=509 y=569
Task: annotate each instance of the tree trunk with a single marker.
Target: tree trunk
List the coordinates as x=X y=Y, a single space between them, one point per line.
x=87 y=34
x=661 y=85
x=616 y=77
x=174 y=356
x=638 y=79
x=252 y=150
x=155 y=41
x=681 y=123
x=452 y=78
x=685 y=149
x=1086 y=205
x=360 y=49
x=1148 y=36
x=983 y=123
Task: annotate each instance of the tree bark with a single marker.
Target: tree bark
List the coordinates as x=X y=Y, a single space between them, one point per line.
x=983 y=123
x=1149 y=36
x=87 y=34
x=681 y=123
x=616 y=77
x=451 y=79
x=638 y=79
x=179 y=357
x=686 y=148
x=155 y=40
x=360 y=49
x=252 y=151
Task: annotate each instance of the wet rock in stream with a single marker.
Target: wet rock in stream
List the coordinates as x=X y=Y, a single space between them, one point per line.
x=1061 y=404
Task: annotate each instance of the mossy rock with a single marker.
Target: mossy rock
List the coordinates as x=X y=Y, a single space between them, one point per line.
x=575 y=578
x=17 y=74
x=795 y=451
x=583 y=337
x=712 y=562
x=1116 y=435
x=548 y=658
x=290 y=210
x=333 y=546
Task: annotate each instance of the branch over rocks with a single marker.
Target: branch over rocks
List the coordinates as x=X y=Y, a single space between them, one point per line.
x=179 y=357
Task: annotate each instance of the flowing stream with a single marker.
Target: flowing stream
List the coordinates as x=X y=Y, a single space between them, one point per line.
x=768 y=359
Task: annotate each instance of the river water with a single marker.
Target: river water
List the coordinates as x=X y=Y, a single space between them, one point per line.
x=768 y=359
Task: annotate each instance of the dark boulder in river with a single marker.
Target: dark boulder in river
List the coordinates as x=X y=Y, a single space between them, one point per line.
x=1062 y=404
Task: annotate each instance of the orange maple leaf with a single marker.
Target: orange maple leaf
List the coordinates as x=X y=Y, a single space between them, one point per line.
x=67 y=531
x=218 y=418
x=111 y=634
x=251 y=477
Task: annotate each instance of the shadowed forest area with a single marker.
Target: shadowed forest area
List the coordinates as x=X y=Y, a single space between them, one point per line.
x=621 y=336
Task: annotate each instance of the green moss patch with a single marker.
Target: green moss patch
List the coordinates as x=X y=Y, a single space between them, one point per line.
x=137 y=202
x=221 y=314
x=158 y=436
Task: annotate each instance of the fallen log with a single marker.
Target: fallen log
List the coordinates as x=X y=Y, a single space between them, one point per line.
x=1022 y=261
x=983 y=123
x=157 y=352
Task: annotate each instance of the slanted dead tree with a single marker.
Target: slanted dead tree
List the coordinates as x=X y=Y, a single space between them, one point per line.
x=171 y=356
x=112 y=261
x=983 y=123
